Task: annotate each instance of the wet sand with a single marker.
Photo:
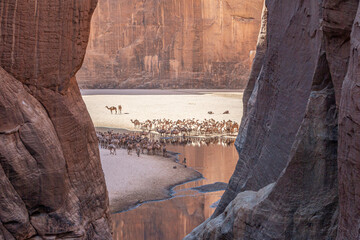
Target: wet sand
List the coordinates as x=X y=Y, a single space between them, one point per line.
x=175 y=218
x=132 y=180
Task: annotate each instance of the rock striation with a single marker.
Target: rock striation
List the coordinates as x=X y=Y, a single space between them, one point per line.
x=171 y=44
x=297 y=175
x=51 y=180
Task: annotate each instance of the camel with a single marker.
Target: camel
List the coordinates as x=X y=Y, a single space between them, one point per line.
x=136 y=123
x=156 y=147
x=112 y=149
x=112 y=108
x=226 y=112
x=129 y=148
x=210 y=112
x=116 y=142
x=138 y=149
x=149 y=148
x=164 y=150
x=120 y=108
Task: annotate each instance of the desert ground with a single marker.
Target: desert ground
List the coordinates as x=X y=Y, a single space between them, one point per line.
x=132 y=180
x=156 y=104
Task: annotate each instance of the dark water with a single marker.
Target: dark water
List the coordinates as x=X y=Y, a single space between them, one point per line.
x=173 y=219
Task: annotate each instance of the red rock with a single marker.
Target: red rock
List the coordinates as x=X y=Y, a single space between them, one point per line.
x=52 y=183
x=289 y=154
x=349 y=144
x=171 y=44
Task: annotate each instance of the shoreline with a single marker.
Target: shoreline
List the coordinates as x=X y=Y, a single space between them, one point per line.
x=171 y=195
x=155 y=180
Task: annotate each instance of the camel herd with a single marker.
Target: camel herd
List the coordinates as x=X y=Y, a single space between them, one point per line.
x=188 y=127
x=147 y=142
x=140 y=142
x=115 y=109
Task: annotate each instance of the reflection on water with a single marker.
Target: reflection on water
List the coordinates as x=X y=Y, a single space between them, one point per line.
x=175 y=218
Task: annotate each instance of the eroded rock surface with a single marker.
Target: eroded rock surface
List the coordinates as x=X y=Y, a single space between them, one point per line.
x=52 y=185
x=303 y=203
x=171 y=44
x=349 y=144
x=291 y=152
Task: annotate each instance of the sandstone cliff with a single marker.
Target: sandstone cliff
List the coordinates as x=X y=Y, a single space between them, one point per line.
x=171 y=44
x=298 y=170
x=51 y=181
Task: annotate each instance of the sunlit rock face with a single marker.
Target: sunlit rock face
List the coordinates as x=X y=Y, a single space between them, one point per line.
x=171 y=44
x=51 y=182
x=297 y=175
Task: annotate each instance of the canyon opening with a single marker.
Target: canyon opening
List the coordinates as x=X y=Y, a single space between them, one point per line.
x=163 y=82
x=179 y=119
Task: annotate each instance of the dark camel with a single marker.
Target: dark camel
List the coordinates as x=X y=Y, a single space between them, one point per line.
x=112 y=109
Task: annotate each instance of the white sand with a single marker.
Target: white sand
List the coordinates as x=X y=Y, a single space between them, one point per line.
x=131 y=180
x=170 y=104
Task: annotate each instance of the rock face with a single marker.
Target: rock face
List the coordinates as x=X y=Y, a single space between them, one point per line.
x=171 y=44
x=293 y=147
x=349 y=144
x=52 y=185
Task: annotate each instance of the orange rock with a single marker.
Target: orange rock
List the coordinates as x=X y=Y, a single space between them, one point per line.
x=171 y=43
x=51 y=181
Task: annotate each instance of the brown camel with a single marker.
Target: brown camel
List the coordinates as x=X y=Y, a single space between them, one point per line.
x=120 y=108
x=136 y=123
x=112 y=109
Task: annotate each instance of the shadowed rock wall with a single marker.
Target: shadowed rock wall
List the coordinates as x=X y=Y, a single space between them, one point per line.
x=297 y=175
x=171 y=44
x=51 y=181
x=349 y=144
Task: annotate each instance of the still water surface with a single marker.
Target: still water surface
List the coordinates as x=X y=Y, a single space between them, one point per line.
x=175 y=218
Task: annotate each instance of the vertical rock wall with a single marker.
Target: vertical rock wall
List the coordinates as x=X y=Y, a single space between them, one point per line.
x=171 y=44
x=349 y=144
x=51 y=181
x=297 y=176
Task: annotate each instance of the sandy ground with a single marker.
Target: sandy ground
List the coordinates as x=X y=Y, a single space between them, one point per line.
x=155 y=104
x=132 y=180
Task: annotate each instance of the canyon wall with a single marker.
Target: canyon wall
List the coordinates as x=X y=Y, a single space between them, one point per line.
x=51 y=181
x=298 y=170
x=171 y=44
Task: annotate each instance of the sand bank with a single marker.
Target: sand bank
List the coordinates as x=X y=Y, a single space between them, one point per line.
x=132 y=180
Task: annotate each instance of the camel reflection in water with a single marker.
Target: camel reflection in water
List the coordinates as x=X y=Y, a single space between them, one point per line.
x=155 y=144
x=175 y=218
